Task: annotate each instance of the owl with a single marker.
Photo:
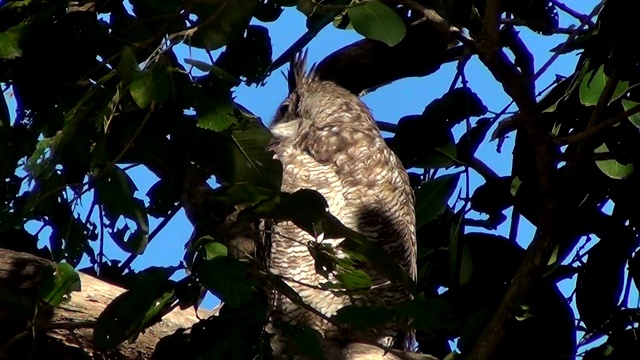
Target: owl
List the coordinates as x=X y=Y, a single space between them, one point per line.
x=328 y=141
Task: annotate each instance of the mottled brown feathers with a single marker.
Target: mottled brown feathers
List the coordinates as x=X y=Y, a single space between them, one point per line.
x=327 y=141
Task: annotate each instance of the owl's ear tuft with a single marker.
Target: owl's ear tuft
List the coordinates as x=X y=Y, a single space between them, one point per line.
x=297 y=71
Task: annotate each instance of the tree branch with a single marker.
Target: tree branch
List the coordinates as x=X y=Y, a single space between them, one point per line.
x=522 y=90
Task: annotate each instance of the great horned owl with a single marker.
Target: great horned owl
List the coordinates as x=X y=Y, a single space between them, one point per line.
x=327 y=141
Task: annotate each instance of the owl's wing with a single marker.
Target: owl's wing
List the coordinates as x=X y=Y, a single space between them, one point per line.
x=373 y=178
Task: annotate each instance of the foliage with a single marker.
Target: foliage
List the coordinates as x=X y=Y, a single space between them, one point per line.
x=100 y=90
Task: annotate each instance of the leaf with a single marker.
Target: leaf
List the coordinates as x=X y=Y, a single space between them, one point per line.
x=471 y=140
x=494 y=196
x=611 y=167
x=248 y=160
x=360 y=318
x=375 y=20
x=432 y=197
x=249 y=56
x=317 y=20
x=151 y=85
x=593 y=84
x=227 y=278
x=305 y=339
x=163 y=197
x=429 y=315
x=357 y=246
x=212 y=249
x=220 y=22
x=10 y=41
x=635 y=118
x=127 y=68
x=600 y=284
x=200 y=65
x=59 y=283
x=216 y=115
x=115 y=192
x=634 y=269
x=131 y=312
x=455 y=106
x=268 y=11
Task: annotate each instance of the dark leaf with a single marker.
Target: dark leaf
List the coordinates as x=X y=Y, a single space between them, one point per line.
x=163 y=197
x=268 y=11
x=227 y=278
x=134 y=310
x=600 y=283
x=306 y=340
x=249 y=56
x=220 y=22
x=361 y=318
x=432 y=197
x=471 y=140
x=456 y=105
x=493 y=197
x=430 y=315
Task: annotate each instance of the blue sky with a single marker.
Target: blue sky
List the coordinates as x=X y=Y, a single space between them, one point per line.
x=389 y=103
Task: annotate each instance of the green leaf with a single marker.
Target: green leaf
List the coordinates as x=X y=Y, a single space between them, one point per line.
x=592 y=86
x=248 y=159
x=10 y=41
x=216 y=115
x=151 y=85
x=131 y=312
x=432 y=197
x=635 y=118
x=611 y=167
x=212 y=249
x=59 y=283
x=377 y=21
x=357 y=246
x=227 y=278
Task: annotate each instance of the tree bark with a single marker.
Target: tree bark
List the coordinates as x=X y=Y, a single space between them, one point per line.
x=67 y=331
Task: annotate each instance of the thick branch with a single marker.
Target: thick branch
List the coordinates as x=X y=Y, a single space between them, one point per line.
x=522 y=90
x=69 y=329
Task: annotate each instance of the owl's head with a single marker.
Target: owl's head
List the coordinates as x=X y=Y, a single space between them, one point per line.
x=311 y=102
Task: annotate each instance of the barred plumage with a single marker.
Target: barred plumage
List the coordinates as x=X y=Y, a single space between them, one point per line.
x=327 y=141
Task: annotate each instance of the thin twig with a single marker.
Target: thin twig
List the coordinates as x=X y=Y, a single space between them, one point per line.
x=590 y=131
x=560 y=50
x=575 y=14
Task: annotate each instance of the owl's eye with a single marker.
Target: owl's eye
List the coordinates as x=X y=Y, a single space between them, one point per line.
x=289 y=105
x=284 y=108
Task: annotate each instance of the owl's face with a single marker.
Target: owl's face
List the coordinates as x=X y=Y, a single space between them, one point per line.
x=315 y=104
x=311 y=104
x=287 y=121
